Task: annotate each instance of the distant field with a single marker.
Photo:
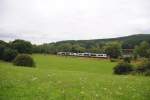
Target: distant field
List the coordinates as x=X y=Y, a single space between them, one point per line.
x=70 y=78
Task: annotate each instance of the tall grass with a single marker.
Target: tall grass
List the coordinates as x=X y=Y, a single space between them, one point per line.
x=69 y=78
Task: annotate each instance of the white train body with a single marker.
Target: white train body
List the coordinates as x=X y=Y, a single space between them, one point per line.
x=95 y=55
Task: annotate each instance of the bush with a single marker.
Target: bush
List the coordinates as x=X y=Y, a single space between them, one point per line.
x=127 y=59
x=24 y=60
x=147 y=73
x=123 y=68
x=143 y=67
x=9 y=54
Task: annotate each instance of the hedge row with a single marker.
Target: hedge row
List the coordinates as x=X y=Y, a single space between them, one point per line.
x=124 y=68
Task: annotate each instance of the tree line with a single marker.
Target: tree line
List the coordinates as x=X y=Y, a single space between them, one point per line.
x=8 y=51
x=113 y=48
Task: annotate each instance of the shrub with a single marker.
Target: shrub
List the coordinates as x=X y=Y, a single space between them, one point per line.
x=9 y=54
x=127 y=59
x=24 y=60
x=123 y=68
x=147 y=73
x=143 y=67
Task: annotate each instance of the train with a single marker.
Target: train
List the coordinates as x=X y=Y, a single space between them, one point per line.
x=85 y=54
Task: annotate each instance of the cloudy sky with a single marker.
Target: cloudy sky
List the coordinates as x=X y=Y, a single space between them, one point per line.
x=55 y=20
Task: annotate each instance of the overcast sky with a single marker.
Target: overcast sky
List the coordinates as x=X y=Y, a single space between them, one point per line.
x=55 y=20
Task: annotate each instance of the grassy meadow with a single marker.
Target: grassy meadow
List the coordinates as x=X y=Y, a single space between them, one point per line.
x=70 y=78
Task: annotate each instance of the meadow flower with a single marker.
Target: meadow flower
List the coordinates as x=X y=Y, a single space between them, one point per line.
x=126 y=77
x=63 y=91
x=105 y=88
x=48 y=75
x=82 y=92
x=96 y=95
x=34 y=78
x=53 y=74
x=39 y=88
x=120 y=88
x=133 y=89
x=80 y=78
x=119 y=93
x=82 y=87
x=133 y=96
x=59 y=82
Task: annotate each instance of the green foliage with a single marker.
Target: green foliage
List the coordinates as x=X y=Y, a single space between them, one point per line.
x=127 y=59
x=2 y=47
x=123 y=68
x=143 y=50
x=113 y=49
x=4 y=43
x=143 y=67
x=95 y=46
x=45 y=48
x=22 y=46
x=24 y=60
x=148 y=53
x=78 y=48
x=147 y=73
x=9 y=54
x=135 y=55
x=129 y=42
x=66 y=47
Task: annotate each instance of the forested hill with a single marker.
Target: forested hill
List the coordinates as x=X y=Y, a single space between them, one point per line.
x=128 y=42
x=97 y=45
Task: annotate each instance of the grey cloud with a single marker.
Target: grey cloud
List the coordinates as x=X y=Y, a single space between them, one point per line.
x=54 y=20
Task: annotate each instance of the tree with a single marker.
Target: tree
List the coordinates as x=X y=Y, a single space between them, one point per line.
x=113 y=49
x=77 y=48
x=9 y=54
x=143 y=50
x=144 y=67
x=97 y=48
x=3 y=45
x=66 y=47
x=148 y=53
x=22 y=46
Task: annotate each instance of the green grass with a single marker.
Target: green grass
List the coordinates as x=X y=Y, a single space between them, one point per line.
x=70 y=78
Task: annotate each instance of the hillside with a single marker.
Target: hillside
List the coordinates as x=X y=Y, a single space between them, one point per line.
x=127 y=41
x=96 y=45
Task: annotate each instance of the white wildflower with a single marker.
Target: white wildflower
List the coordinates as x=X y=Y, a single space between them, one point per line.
x=82 y=92
x=96 y=95
x=63 y=91
x=105 y=88
x=59 y=82
x=119 y=93
x=34 y=78
x=48 y=75
x=120 y=88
